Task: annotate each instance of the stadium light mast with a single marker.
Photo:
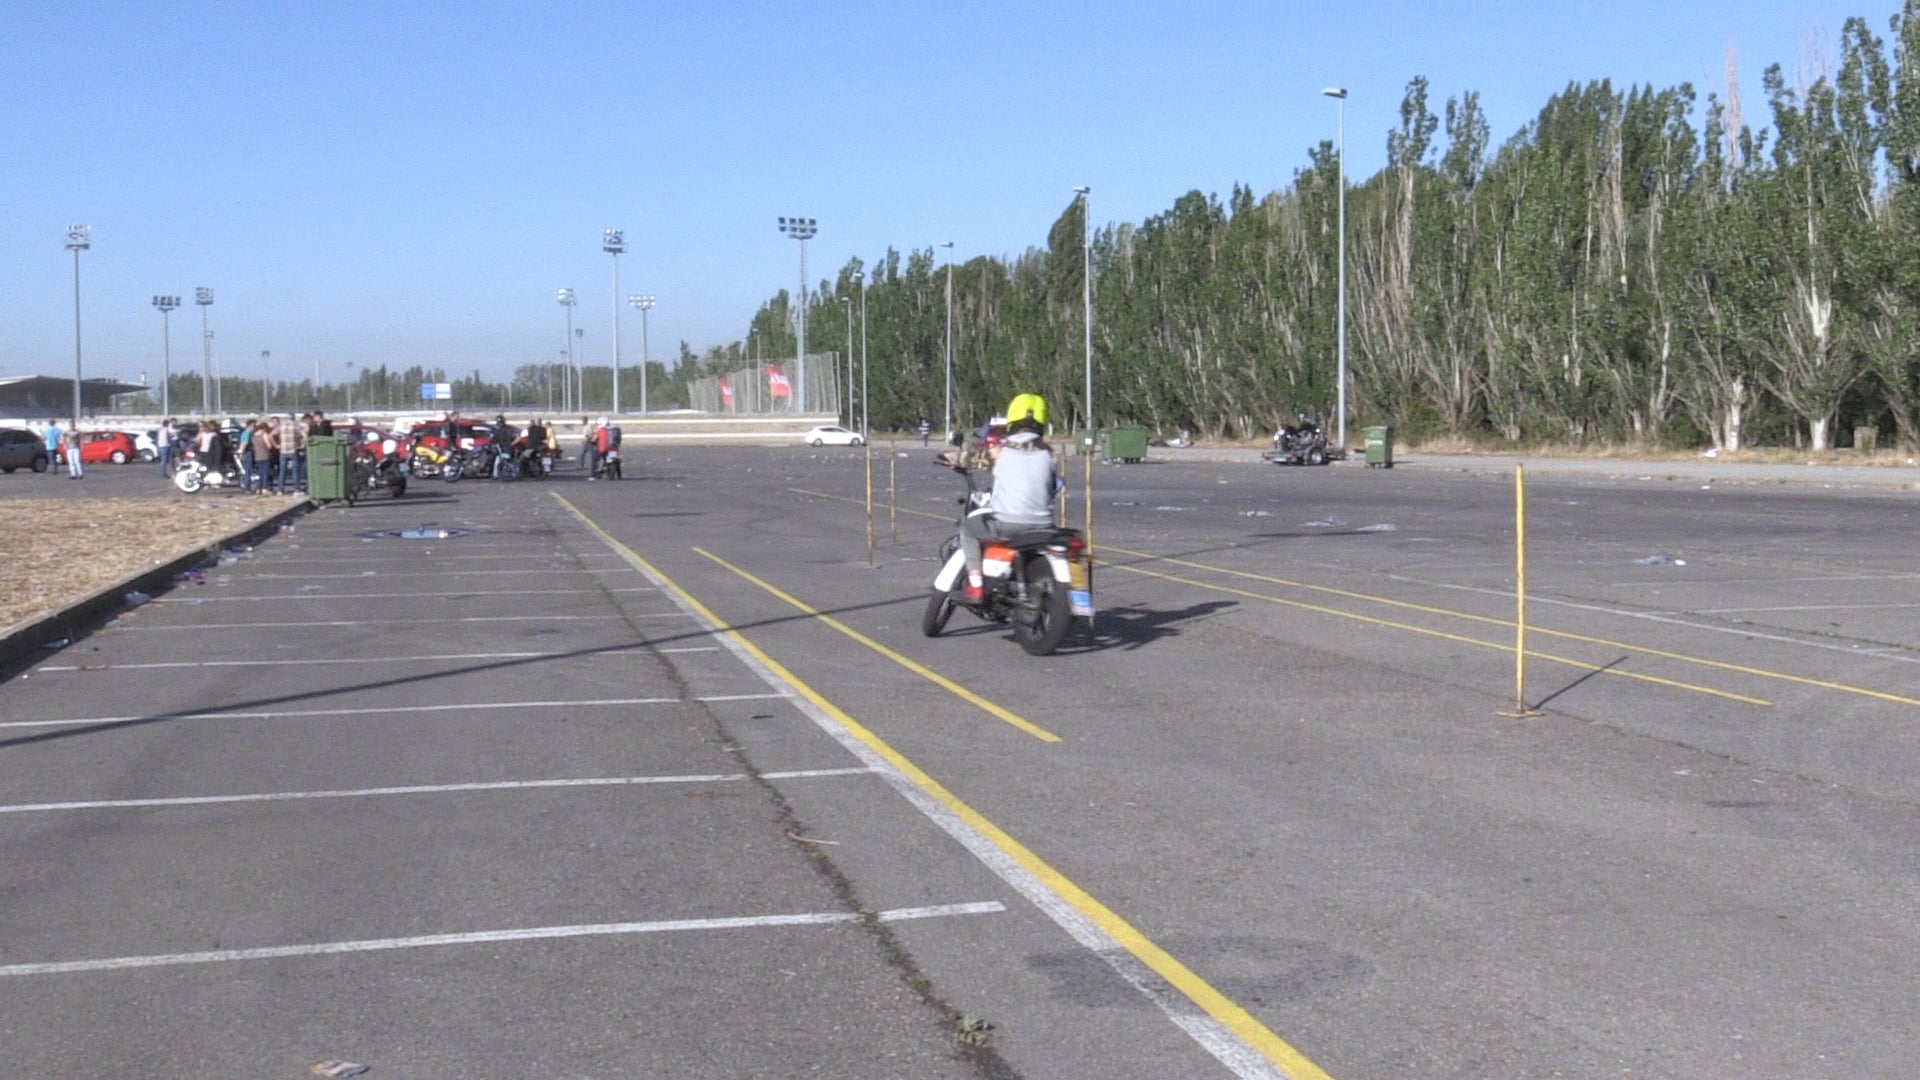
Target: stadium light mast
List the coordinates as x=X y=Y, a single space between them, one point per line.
x=165 y=305
x=1339 y=93
x=614 y=242
x=203 y=296
x=79 y=239
x=644 y=302
x=803 y=230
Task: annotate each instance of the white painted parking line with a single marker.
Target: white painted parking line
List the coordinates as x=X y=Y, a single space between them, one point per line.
x=483 y=937
x=587 y=651
x=389 y=710
x=422 y=789
x=562 y=617
x=199 y=598
x=383 y=575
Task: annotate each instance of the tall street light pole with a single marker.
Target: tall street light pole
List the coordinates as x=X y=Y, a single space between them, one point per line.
x=645 y=303
x=1339 y=93
x=567 y=300
x=613 y=242
x=203 y=296
x=264 y=353
x=166 y=304
x=860 y=277
x=79 y=239
x=948 y=404
x=1086 y=300
x=846 y=306
x=803 y=230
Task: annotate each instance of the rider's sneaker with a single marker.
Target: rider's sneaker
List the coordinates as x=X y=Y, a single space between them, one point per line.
x=974 y=593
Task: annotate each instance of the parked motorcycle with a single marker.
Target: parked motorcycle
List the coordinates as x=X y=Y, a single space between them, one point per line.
x=192 y=473
x=427 y=459
x=1037 y=580
x=1301 y=443
x=369 y=473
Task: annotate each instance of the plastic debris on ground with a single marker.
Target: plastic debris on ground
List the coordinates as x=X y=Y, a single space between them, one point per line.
x=1379 y=527
x=1256 y=513
x=58 y=643
x=336 y=1069
x=1323 y=523
x=136 y=598
x=1659 y=560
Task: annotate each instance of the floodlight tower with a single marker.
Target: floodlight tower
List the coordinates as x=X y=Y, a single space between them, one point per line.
x=203 y=296
x=568 y=300
x=614 y=242
x=643 y=302
x=79 y=239
x=801 y=229
x=165 y=305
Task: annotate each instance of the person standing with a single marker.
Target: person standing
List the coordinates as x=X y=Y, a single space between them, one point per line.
x=290 y=438
x=260 y=438
x=926 y=430
x=73 y=452
x=53 y=436
x=163 y=443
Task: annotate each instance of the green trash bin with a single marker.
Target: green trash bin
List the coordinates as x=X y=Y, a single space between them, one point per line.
x=1127 y=444
x=327 y=467
x=1380 y=446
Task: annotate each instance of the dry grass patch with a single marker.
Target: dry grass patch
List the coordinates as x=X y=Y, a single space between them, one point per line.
x=61 y=550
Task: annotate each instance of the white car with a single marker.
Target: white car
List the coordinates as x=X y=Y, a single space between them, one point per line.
x=830 y=435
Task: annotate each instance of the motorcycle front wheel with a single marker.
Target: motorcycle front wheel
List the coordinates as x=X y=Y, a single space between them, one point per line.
x=1041 y=621
x=188 y=480
x=939 y=610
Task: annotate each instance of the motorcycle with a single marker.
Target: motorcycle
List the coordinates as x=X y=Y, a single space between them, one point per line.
x=1302 y=443
x=370 y=473
x=192 y=473
x=428 y=459
x=1038 y=580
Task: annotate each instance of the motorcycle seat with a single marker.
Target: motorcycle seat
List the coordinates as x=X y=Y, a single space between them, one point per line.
x=1041 y=537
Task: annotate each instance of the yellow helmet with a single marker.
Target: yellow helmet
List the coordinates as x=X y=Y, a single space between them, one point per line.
x=1027 y=407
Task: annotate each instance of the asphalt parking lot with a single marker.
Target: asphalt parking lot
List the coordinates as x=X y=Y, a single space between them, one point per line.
x=472 y=783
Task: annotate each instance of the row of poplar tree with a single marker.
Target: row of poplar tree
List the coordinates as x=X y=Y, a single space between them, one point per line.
x=1628 y=267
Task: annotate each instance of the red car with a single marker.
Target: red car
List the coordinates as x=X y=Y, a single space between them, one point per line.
x=473 y=433
x=370 y=441
x=115 y=446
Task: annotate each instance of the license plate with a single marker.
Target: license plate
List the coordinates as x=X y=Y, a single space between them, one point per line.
x=1082 y=601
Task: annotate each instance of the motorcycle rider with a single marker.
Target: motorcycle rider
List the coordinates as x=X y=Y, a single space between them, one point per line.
x=1023 y=487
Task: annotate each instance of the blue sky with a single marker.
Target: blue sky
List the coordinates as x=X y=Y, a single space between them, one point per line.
x=411 y=182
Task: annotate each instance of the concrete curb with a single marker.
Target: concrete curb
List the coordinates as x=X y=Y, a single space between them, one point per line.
x=25 y=640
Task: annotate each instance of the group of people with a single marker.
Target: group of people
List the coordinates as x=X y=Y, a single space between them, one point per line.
x=63 y=444
x=600 y=449
x=270 y=453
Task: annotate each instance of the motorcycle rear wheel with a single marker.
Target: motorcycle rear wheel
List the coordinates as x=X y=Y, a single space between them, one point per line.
x=188 y=480
x=939 y=610
x=1041 y=621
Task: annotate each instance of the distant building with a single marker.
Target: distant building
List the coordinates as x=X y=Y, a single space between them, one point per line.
x=38 y=397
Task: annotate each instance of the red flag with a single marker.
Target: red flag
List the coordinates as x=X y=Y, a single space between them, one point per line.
x=726 y=392
x=777 y=383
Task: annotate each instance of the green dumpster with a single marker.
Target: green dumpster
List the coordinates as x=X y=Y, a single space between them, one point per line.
x=1127 y=444
x=327 y=467
x=1380 y=446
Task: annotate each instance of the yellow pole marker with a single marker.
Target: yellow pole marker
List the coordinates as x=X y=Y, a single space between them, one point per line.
x=1087 y=498
x=1350 y=594
x=1302 y=605
x=934 y=677
x=1520 y=595
x=1227 y=1031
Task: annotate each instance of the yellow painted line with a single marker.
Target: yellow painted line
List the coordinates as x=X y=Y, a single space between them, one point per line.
x=1444 y=635
x=1450 y=613
x=910 y=664
x=1222 y=1009
x=1684 y=658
